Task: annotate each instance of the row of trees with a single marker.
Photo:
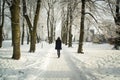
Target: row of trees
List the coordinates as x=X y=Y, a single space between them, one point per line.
x=88 y=7
x=73 y=12
x=15 y=9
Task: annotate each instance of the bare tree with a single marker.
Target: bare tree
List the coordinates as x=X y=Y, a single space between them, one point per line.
x=32 y=28
x=50 y=7
x=65 y=24
x=116 y=11
x=81 y=37
x=68 y=18
x=64 y=31
x=116 y=15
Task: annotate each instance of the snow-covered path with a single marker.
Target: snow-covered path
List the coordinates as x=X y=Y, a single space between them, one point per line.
x=42 y=65
x=61 y=68
x=98 y=63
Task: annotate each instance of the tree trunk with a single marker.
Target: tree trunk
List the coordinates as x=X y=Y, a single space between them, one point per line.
x=15 y=19
x=81 y=37
x=0 y=25
x=117 y=19
x=70 y=28
x=67 y=24
x=33 y=34
x=23 y=33
x=50 y=20
x=52 y=24
x=1 y=37
x=54 y=33
x=32 y=42
x=32 y=29
x=38 y=38
x=51 y=35
x=63 y=26
x=28 y=36
x=1 y=22
x=48 y=17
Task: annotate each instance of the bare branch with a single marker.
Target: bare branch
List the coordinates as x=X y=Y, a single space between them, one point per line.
x=92 y=16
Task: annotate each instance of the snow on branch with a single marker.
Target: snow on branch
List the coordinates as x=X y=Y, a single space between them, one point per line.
x=92 y=16
x=9 y=2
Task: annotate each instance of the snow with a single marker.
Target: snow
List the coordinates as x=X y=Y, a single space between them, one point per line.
x=99 y=62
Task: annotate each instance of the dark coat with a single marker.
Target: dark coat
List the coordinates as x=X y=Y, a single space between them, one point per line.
x=58 y=44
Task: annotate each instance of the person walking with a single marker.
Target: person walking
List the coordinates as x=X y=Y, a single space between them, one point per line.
x=58 y=46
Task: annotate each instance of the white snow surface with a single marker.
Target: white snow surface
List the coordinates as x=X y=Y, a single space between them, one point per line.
x=99 y=62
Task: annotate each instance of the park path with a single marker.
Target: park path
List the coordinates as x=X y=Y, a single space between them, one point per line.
x=62 y=68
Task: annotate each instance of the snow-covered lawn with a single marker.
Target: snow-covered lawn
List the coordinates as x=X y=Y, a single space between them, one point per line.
x=99 y=62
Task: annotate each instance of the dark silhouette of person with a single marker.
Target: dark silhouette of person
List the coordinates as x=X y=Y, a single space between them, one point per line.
x=58 y=46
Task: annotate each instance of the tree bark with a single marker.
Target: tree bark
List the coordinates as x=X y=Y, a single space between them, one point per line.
x=15 y=22
x=81 y=37
x=1 y=21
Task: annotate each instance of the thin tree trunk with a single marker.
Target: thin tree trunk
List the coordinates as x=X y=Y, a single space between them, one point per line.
x=1 y=22
x=0 y=25
x=1 y=37
x=54 y=30
x=52 y=24
x=63 y=31
x=48 y=17
x=23 y=33
x=28 y=36
x=15 y=19
x=70 y=28
x=81 y=37
x=63 y=26
x=67 y=24
x=0 y=12
x=117 y=19
x=38 y=38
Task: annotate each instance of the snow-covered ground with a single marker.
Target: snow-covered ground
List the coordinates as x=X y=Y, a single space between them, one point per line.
x=99 y=62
